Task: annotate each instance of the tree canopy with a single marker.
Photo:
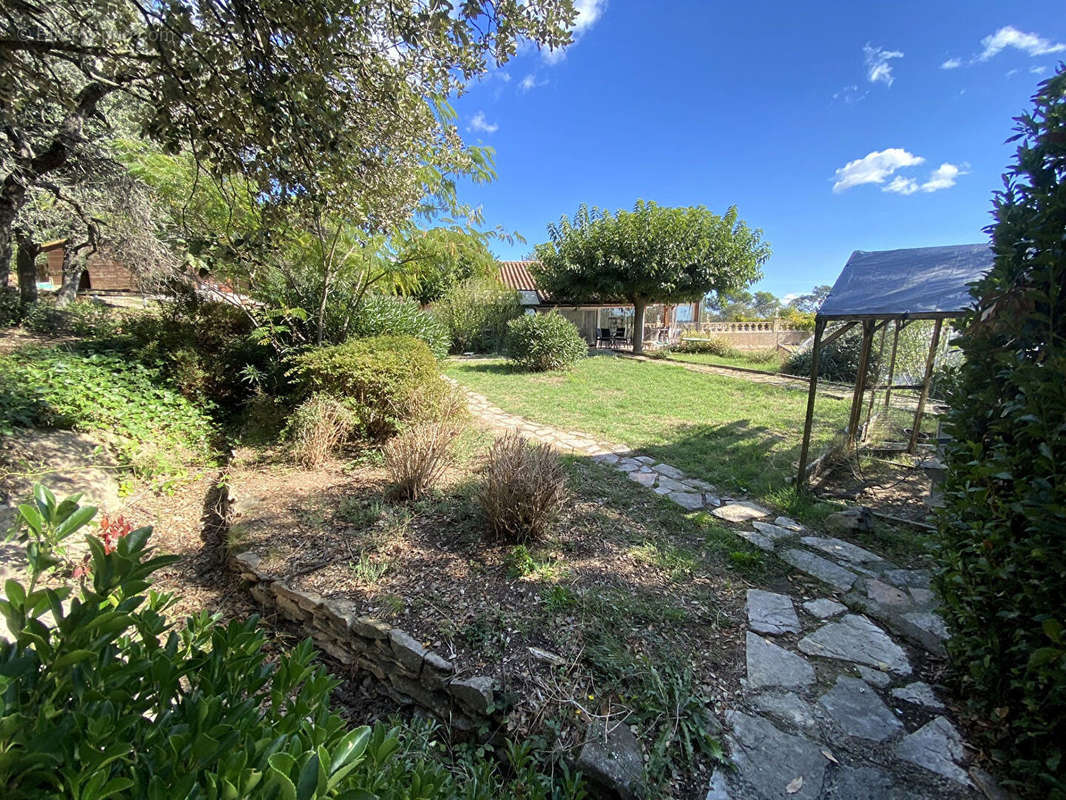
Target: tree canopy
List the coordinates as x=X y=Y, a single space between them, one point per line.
x=652 y=254
x=326 y=102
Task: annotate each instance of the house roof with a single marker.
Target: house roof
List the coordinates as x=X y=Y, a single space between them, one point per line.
x=918 y=282
x=516 y=275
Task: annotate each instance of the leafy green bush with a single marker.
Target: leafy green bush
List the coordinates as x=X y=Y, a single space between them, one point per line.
x=383 y=315
x=837 y=361
x=56 y=388
x=540 y=342
x=207 y=349
x=81 y=318
x=386 y=380
x=108 y=698
x=476 y=313
x=10 y=307
x=707 y=343
x=1002 y=526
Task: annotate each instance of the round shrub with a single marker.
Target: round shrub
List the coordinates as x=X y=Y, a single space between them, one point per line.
x=385 y=380
x=540 y=342
x=381 y=315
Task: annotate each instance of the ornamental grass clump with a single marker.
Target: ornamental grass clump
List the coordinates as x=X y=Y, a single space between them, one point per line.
x=523 y=489
x=417 y=457
x=317 y=428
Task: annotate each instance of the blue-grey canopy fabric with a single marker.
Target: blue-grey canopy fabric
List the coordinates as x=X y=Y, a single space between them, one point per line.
x=918 y=281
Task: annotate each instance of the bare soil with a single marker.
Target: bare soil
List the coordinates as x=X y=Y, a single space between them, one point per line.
x=569 y=626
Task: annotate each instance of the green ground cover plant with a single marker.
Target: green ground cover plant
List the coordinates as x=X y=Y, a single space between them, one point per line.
x=154 y=427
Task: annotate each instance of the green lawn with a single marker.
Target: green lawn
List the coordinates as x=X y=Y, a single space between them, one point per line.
x=737 y=434
x=728 y=361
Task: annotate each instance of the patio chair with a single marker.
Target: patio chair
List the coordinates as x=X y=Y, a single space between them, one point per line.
x=620 y=335
x=604 y=336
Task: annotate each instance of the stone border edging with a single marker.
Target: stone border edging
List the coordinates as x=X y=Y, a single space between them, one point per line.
x=407 y=671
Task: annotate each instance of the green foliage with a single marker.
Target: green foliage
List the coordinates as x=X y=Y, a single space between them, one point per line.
x=10 y=306
x=81 y=318
x=837 y=361
x=442 y=258
x=400 y=316
x=651 y=254
x=1002 y=525
x=795 y=318
x=56 y=388
x=208 y=350
x=386 y=380
x=476 y=313
x=110 y=699
x=541 y=342
x=707 y=343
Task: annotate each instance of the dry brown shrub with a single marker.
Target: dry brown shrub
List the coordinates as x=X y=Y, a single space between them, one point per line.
x=316 y=429
x=523 y=489
x=417 y=457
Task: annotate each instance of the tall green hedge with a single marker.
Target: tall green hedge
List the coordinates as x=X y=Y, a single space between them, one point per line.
x=1003 y=529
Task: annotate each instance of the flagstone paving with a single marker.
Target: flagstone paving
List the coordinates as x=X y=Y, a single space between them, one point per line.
x=829 y=708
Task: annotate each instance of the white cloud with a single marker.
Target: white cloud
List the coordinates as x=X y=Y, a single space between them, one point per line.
x=530 y=82
x=901 y=185
x=878 y=70
x=588 y=14
x=952 y=63
x=943 y=177
x=1037 y=70
x=1009 y=36
x=481 y=125
x=851 y=94
x=874 y=167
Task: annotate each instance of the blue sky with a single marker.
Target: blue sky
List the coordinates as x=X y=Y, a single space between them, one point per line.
x=832 y=126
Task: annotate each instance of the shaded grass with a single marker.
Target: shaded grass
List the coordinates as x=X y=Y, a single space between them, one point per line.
x=763 y=365
x=739 y=435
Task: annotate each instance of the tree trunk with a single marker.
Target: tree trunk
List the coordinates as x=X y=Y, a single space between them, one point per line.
x=31 y=168
x=27 y=269
x=638 y=326
x=73 y=267
x=5 y=261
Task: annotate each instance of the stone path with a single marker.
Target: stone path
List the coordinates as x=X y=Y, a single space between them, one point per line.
x=830 y=708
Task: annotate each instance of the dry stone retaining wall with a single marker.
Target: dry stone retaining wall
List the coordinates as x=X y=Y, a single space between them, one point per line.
x=405 y=670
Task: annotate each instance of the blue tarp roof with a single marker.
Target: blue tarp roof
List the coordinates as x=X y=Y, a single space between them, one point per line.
x=916 y=281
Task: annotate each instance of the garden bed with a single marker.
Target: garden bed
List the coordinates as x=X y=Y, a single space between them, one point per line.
x=629 y=609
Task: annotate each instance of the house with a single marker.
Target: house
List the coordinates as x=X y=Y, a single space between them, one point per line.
x=102 y=271
x=662 y=322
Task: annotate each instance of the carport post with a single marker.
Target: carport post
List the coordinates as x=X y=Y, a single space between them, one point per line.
x=929 y=362
x=892 y=363
x=801 y=476
x=860 y=380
